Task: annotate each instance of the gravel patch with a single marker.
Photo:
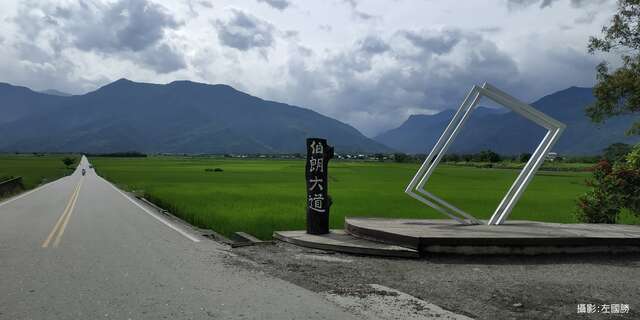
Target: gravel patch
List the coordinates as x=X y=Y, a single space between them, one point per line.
x=378 y=302
x=480 y=287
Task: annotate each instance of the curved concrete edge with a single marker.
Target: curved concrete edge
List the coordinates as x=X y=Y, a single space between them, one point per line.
x=340 y=241
x=381 y=236
x=527 y=251
x=445 y=237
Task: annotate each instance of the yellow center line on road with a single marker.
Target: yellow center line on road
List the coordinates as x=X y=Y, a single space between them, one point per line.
x=61 y=224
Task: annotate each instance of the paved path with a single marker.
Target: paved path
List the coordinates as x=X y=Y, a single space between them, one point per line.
x=78 y=248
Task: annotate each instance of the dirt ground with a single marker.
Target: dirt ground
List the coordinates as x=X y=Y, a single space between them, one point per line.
x=481 y=287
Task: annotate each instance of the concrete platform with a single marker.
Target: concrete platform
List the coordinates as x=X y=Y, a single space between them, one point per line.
x=514 y=237
x=340 y=241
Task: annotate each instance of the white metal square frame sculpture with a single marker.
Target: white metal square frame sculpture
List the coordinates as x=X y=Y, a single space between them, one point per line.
x=416 y=187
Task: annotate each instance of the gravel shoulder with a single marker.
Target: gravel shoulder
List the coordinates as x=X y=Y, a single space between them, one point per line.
x=481 y=287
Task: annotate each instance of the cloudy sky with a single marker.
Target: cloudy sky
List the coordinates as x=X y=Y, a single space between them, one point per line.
x=370 y=63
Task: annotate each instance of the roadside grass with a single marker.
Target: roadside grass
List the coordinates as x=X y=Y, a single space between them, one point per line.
x=34 y=170
x=262 y=196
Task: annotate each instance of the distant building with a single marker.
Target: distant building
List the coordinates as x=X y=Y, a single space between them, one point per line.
x=553 y=156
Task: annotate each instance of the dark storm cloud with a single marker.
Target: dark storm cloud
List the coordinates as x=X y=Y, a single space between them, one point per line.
x=434 y=42
x=206 y=4
x=373 y=45
x=125 y=25
x=277 y=4
x=379 y=80
x=245 y=32
x=134 y=29
x=548 y=3
x=163 y=59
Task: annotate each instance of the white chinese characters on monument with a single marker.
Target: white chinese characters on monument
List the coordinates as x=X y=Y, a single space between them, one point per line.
x=316 y=173
x=554 y=128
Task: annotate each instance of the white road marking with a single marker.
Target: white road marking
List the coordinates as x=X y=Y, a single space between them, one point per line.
x=164 y=221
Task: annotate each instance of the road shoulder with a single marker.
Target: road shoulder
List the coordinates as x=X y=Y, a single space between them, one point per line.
x=485 y=287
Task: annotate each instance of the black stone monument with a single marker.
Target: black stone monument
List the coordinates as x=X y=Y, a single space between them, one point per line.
x=316 y=172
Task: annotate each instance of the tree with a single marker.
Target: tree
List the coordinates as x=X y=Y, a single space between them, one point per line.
x=524 y=157
x=613 y=187
x=618 y=92
x=616 y=181
x=68 y=161
x=616 y=152
x=453 y=157
x=401 y=157
x=488 y=156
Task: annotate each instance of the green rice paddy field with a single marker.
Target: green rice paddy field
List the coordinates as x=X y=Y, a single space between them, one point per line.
x=34 y=170
x=262 y=196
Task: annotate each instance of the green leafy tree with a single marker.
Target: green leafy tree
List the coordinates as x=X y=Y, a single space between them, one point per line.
x=618 y=92
x=613 y=187
x=616 y=152
x=488 y=156
x=524 y=157
x=68 y=162
x=616 y=182
x=633 y=158
x=453 y=157
x=401 y=157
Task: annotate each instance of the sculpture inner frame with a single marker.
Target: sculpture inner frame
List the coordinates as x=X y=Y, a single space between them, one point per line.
x=554 y=129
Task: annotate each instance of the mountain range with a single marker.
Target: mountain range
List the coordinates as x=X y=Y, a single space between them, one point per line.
x=190 y=117
x=509 y=133
x=179 y=117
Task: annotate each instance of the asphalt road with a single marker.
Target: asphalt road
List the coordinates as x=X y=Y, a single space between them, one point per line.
x=78 y=248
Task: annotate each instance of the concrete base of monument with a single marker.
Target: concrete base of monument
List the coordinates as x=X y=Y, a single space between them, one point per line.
x=513 y=237
x=340 y=241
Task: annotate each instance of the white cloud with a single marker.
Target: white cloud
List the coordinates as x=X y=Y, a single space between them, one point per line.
x=244 y=31
x=369 y=63
x=277 y=4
